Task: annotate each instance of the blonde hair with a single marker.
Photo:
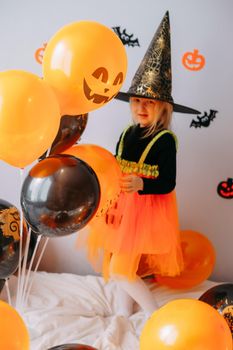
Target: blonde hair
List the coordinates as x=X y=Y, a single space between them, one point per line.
x=164 y=110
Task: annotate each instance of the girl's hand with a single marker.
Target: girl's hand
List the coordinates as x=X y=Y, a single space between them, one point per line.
x=131 y=183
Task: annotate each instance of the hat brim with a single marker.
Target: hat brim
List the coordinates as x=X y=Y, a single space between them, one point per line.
x=125 y=96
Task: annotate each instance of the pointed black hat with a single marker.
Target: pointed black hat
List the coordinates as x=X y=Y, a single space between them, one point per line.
x=153 y=78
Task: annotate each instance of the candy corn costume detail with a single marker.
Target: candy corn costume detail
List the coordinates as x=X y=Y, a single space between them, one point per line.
x=141 y=229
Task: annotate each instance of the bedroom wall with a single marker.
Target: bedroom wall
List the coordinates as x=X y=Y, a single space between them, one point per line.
x=205 y=152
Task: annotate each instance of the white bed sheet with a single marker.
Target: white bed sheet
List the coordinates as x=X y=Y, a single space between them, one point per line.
x=66 y=308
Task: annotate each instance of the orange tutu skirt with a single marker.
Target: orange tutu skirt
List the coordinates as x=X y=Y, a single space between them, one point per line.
x=142 y=233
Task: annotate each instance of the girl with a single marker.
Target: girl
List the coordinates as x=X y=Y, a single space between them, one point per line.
x=140 y=233
x=144 y=238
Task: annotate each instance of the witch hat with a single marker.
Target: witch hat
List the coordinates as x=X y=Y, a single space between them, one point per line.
x=153 y=78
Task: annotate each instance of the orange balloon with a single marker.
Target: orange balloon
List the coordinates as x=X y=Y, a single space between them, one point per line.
x=29 y=117
x=13 y=332
x=199 y=259
x=106 y=168
x=186 y=324
x=85 y=62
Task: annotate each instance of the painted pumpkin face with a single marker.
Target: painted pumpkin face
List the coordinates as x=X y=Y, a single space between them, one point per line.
x=85 y=63
x=103 y=92
x=225 y=189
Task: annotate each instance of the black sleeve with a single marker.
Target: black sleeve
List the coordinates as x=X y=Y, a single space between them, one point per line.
x=165 y=151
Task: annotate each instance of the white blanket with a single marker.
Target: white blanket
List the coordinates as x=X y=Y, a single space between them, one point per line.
x=66 y=308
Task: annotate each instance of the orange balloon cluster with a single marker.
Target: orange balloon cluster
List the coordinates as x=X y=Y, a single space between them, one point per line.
x=85 y=62
x=29 y=117
x=13 y=332
x=199 y=260
x=106 y=168
x=186 y=324
x=84 y=67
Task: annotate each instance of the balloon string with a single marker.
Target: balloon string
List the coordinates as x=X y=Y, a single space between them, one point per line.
x=20 y=241
x=23 y=271
x=37 y=265
x=8 y=291
x=30 y=268
x=48 y=152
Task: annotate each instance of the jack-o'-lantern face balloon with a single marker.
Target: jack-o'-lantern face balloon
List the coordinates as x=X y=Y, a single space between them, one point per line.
x=85 y=63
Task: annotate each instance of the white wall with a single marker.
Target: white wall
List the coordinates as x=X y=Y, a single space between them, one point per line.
x=205 y=154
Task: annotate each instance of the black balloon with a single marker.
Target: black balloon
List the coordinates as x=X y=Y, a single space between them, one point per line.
x=9 y=238
x=2 y=282
x=60 y=195
x=72 y=347
x=69 y=132
x=32 y=245
x=221 y=298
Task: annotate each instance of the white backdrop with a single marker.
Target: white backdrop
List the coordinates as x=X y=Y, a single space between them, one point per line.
x=205 y=154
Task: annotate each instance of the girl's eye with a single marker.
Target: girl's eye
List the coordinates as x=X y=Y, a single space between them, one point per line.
x=151 y=102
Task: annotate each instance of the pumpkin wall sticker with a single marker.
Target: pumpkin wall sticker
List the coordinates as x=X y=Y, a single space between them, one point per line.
x=193 y=60
x=225 y=188
x=39 y=53
x=85 y=63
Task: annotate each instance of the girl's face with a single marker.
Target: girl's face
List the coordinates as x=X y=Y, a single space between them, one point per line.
x=144 y=111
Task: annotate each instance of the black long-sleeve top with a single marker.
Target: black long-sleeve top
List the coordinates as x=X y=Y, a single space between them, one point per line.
x=162 y=153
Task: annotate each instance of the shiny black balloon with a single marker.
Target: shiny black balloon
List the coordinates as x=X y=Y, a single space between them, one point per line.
x=32 y=245
x=60 y=195
x=9 y=238
x=69 y=132
x=221 y=298
x=2 y=282
x=72 y=347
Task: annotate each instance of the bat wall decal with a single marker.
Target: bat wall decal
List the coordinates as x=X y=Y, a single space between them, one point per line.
x=126 y=38
x=204 y=120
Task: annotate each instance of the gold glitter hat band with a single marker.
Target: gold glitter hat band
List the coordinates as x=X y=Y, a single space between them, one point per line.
x=153 y=78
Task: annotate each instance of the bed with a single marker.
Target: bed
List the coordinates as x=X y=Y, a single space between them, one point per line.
x=65 y=308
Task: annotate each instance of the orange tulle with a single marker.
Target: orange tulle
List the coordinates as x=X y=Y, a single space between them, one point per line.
x=142 y=230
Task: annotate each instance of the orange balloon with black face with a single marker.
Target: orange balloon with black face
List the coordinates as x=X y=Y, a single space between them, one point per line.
x=85 y=63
